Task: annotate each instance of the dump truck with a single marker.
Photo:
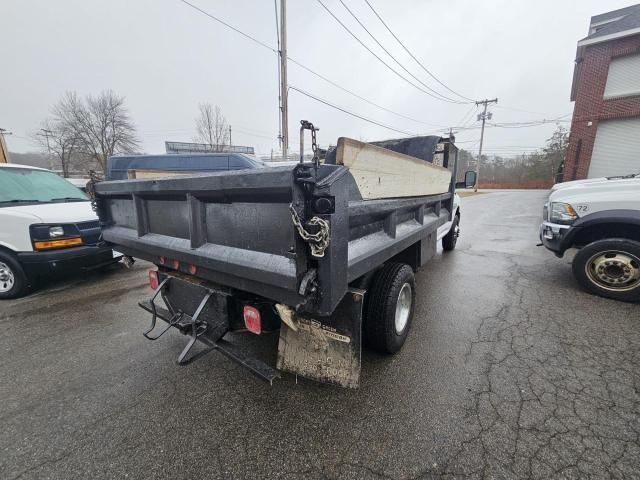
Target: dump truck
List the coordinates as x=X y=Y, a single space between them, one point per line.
x=321 y=254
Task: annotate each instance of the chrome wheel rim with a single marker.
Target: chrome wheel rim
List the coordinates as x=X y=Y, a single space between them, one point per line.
x=614 y=270
x=7 y=278
x=403 y=308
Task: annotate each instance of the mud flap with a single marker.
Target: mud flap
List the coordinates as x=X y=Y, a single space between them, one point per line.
x=326 y=349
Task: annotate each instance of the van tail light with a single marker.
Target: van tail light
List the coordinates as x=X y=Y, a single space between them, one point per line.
x=153 y=279
x=175 y=264
x=163 y=260
x=252 y=319
x=193 y=269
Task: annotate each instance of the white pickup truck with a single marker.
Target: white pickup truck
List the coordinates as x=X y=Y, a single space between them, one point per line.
x=601 y=218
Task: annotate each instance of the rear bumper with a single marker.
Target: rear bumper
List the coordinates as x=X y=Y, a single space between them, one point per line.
x=38 y=263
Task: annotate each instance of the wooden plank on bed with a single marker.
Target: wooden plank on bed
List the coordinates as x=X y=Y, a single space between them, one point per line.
x=382 y=173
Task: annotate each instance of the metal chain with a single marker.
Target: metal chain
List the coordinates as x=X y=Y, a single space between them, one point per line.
x=318 y=242
x=306 y=125
x=314 y=146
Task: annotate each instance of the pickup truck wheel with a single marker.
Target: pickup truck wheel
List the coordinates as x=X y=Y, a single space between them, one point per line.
x=389 y=309
x=13 y=281
x=450 y=239
x=610 y=268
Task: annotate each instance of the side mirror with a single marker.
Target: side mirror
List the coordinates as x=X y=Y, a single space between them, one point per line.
x=470 y=178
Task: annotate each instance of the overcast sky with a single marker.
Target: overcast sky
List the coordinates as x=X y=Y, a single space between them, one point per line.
x=166 y=57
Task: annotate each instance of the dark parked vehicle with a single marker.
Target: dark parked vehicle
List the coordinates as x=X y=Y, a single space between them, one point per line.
x=295 y=249
x=120 y=166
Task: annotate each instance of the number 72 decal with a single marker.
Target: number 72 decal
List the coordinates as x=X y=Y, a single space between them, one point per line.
x=582 y=208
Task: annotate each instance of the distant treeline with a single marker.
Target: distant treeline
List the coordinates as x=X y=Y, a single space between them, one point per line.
x=539 y=169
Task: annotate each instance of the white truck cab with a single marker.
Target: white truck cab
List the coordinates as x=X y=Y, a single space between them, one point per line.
x=46 y=225
x=600 y=217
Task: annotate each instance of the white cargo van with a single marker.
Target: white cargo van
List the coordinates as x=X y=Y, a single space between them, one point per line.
x=46 y=225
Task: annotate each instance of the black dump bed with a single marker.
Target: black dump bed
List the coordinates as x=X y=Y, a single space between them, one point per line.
x=238 y=230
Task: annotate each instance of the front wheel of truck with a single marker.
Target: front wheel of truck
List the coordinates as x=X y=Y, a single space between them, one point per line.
x=610 y=268
x=390 y=307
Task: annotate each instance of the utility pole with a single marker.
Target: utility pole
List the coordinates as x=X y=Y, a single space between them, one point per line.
x=4 y=152
x=482 y=116
x=283 y=79
x=230 y=144
x=46 y=134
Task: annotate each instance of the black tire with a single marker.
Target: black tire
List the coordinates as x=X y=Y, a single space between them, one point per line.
x=610 y=268
x=12 y=277
x=380 y=333
x=450 y=239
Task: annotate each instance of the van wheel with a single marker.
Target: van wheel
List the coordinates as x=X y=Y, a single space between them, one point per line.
x=450 y=239
x=610 y=268
x=390 y=307
x=13 y=281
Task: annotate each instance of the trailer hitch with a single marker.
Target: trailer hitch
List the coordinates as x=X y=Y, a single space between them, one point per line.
x=188 y=325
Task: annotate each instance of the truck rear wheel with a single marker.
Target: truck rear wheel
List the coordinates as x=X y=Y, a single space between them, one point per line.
x=13 y=281
x=390 y=306
x=610 y=268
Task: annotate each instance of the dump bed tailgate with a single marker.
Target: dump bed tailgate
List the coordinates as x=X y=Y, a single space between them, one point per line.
x=234 y=226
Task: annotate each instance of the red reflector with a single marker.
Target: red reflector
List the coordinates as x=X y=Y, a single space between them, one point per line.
x=153 y=279
x=193 y=269
x=252 y=319
x=163 y=260
x=175 y=264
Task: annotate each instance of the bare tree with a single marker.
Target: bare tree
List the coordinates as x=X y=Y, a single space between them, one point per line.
x=211 y=127
x=60 y=142
x=99 y=126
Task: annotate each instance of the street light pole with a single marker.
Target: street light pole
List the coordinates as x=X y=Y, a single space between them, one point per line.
x=46 y=135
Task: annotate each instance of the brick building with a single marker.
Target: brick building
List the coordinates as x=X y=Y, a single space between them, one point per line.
x=605 y=130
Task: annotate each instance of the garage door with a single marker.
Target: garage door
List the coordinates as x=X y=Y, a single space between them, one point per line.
x=617 y=148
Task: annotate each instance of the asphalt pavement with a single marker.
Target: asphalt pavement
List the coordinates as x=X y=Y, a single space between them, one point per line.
x=510 y=371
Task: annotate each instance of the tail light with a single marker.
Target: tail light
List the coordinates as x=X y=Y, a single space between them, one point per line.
x=193 y=269
x=163 y=260
x=153 y=279
x=252 y=319
x=175 y=264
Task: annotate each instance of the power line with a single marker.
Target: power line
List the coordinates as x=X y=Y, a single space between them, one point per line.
x=299 y=64
x=359 y=96
x=467 y=115
x=527 y=124
x=246 y=35
x=413 y=56
x=335 y=84
x=380 y=59
x=348 y=112
x=394 y=58
x=533 y=123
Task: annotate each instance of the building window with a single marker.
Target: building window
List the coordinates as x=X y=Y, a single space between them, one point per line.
x=623 y=79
